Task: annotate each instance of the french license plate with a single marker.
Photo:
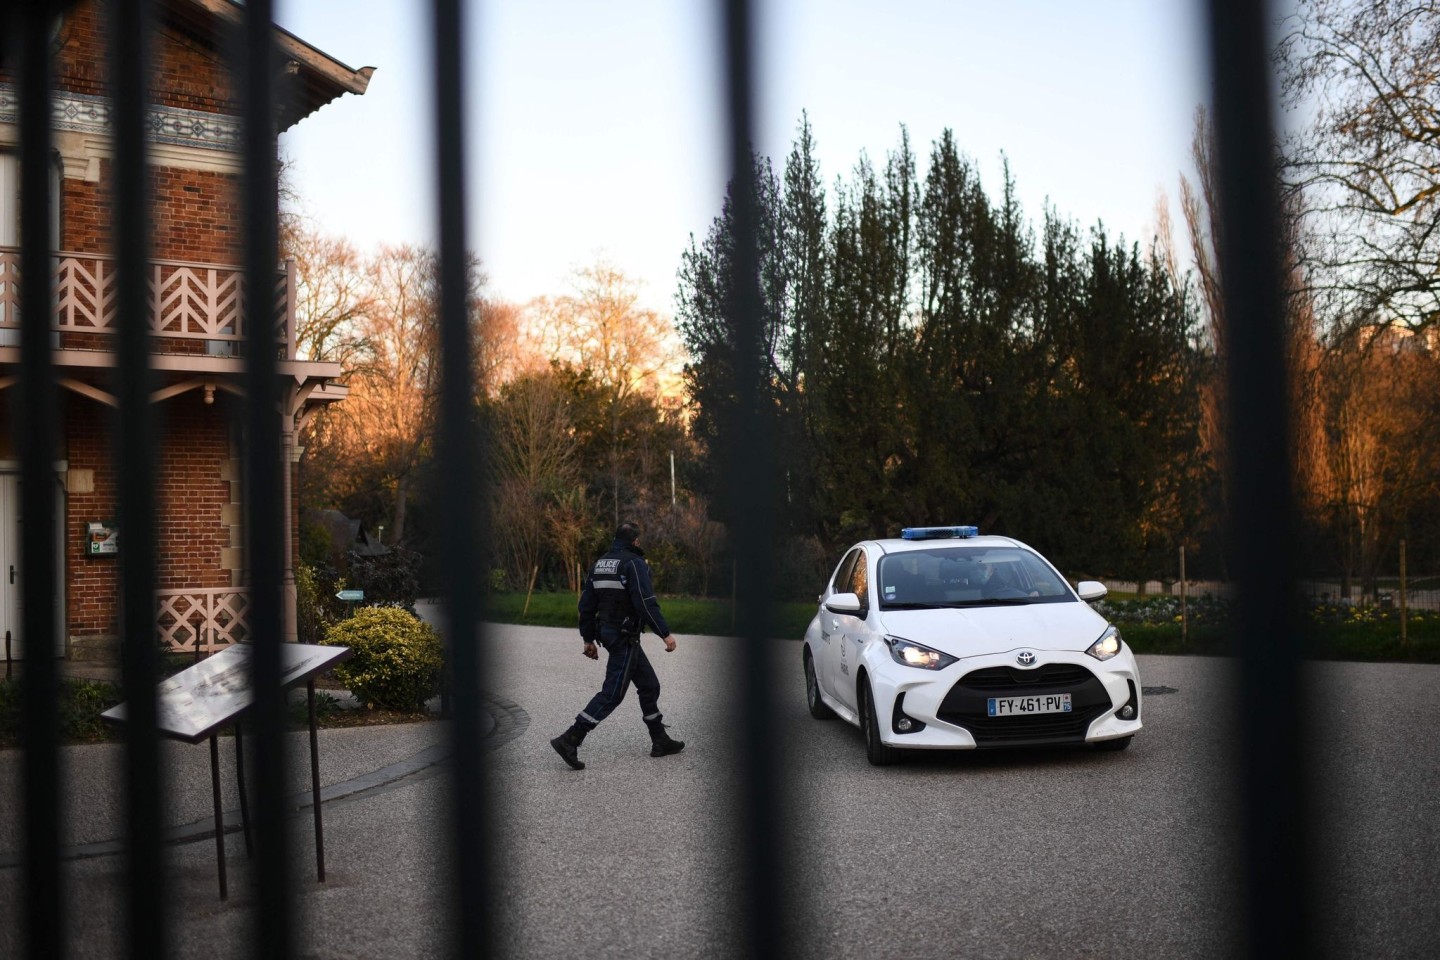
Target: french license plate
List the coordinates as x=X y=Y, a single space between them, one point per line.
x=1020 y=706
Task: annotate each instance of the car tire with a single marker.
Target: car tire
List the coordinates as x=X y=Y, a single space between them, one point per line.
x=818 y=709
x=1116 y=745
x=876 y=751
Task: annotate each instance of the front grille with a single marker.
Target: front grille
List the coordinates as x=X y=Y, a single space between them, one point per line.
x=965 y=704
x=1028 y=731
x=1003 y=678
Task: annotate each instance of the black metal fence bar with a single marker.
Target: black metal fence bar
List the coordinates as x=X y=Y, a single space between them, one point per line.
x=130 y=22
x=44 y=893
x=1276 y=808
x=751 y=478
x=464 y=546
x=1275 y=818
x=265 y=516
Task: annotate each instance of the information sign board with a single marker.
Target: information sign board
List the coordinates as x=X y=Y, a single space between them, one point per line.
x=199 y=700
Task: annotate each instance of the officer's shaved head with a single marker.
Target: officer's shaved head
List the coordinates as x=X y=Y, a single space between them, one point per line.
x=628 y=532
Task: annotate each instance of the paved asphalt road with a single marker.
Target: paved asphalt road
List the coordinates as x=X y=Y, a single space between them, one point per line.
x=1037 y=854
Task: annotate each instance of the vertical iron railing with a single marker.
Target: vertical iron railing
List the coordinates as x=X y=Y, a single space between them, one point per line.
x=1276 y=812
x=134 y=456
x=1276 y=809
x=463 y=546
x=264 y=514
x=38 y=419
x=762 y=888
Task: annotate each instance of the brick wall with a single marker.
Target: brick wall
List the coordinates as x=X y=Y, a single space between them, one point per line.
x=188 y=70
x=196 y=215
x=92 y=585
x=191 y=496
x=196 y=219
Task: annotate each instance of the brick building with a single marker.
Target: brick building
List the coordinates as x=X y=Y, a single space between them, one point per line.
x=198 y=323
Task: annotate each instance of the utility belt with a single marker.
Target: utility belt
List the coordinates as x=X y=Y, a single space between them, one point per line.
x=628 y=628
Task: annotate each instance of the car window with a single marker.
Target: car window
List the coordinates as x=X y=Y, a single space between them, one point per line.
x=961 y=575
x=842 y=573
x=860 y=578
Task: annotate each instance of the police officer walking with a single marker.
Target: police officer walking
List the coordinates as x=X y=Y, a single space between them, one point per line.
x=617 y=603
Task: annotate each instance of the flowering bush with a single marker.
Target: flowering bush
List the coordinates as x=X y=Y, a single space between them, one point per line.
x=1337 y=611
x=1152 y=611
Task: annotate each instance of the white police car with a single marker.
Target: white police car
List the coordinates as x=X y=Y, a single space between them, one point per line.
x=945 y=640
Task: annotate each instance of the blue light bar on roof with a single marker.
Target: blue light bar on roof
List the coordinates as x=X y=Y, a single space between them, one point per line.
x=939 y=533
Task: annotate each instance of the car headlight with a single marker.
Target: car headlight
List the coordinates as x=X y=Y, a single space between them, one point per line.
x=911 y=654
x=1107 y=646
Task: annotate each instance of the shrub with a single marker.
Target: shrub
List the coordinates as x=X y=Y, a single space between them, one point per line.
x=80 y=705
x=316 y=608
x=397 y=657
x=391 y=578
x=1164 y=609
x=317 y=545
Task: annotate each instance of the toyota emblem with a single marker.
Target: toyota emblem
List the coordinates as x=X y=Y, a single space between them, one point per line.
x=1026 y=658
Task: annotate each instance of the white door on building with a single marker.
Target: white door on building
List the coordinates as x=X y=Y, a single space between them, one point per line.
x=11 y=609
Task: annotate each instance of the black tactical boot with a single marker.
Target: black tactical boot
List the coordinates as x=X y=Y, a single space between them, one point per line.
x=661 y=744
x=568 y=745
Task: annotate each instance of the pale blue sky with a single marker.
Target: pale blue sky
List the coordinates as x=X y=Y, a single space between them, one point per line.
x=595 y=125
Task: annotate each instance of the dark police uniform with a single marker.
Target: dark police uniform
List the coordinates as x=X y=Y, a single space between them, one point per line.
x=616 y=604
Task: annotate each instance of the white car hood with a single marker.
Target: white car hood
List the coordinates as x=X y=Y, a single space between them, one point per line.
x=974 y=631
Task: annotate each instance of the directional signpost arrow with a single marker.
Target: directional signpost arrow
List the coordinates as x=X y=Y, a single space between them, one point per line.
x=350 y=596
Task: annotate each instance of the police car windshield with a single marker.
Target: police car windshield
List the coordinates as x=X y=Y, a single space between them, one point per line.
x=967 y=576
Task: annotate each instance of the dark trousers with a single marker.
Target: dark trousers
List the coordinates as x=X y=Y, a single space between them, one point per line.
x=626 y=664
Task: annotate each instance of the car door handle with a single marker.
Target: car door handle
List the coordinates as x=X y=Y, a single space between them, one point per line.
x=12 y=573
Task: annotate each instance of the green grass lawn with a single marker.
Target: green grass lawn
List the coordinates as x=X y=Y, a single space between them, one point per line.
x=81 y=701
x=1325 y=641
x=684 y=614
x=1330 y=641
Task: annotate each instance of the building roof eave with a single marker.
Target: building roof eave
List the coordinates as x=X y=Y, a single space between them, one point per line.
x=321 y=78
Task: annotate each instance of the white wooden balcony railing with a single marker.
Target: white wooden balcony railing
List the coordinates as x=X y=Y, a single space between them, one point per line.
x=190 y=303
x=217 y=616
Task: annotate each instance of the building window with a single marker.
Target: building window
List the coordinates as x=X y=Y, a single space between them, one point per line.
x=10 y=229
x=9 y=200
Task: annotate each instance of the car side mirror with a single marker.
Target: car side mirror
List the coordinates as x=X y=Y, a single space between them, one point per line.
x=843 y=603
x=1091 y=590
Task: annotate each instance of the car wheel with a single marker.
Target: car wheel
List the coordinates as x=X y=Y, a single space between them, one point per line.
x=818 y=710
x=1116 y=745
x=876 y=750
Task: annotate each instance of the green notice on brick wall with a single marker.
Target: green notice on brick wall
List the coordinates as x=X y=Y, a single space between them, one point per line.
x=103 y=538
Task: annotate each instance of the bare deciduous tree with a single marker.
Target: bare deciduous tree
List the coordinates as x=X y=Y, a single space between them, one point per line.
x=1365 y=171
x=388 y=416
x=1303 y=350
x=1383 y=451
x=602 y=328
x=569 y=524
x=331 y=295
x=376 y=317
x=534 y=464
